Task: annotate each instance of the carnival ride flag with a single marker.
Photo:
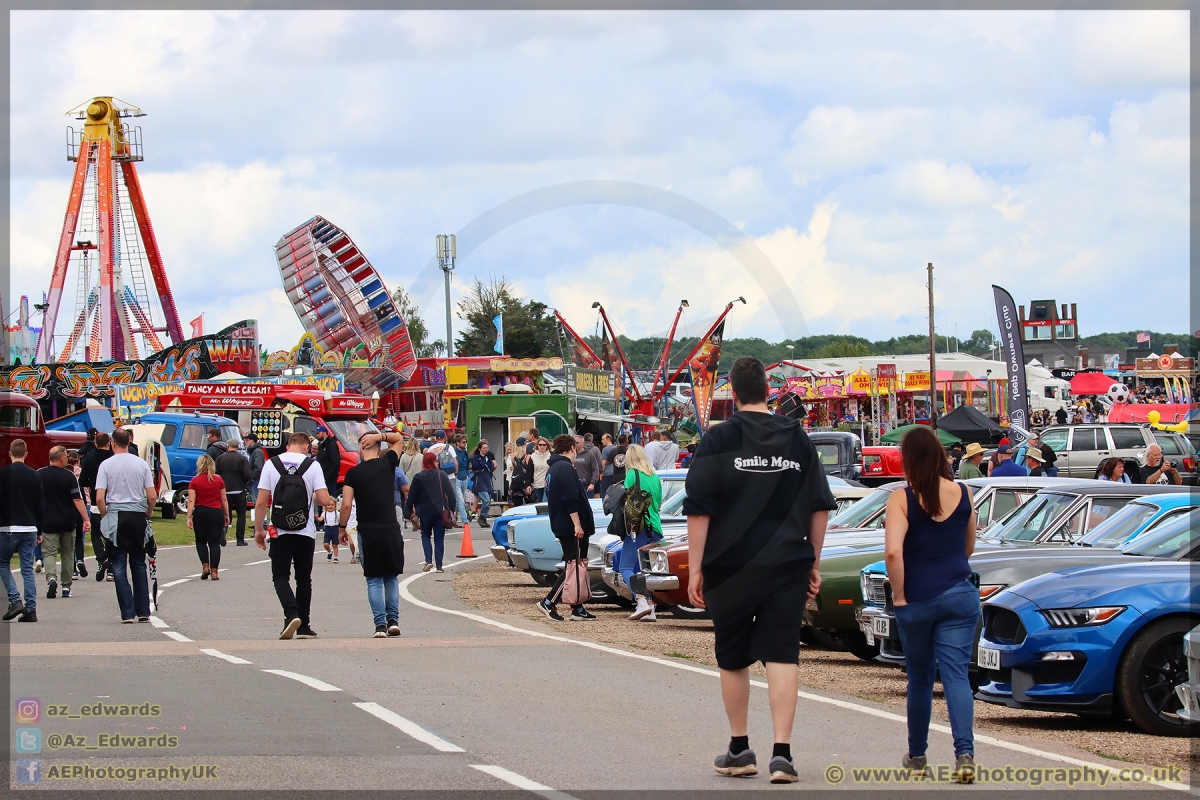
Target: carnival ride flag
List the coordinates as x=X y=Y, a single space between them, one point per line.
x=498 y=321
x=702 y=369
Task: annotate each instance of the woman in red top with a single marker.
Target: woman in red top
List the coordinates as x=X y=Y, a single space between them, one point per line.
x=208 y=514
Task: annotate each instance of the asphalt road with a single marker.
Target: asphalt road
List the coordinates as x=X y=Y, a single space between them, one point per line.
x=463 y=700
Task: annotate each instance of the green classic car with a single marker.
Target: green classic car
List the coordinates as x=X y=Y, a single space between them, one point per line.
x=854 y=539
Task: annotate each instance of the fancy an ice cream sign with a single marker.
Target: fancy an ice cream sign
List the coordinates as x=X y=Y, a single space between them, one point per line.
x=230 y=395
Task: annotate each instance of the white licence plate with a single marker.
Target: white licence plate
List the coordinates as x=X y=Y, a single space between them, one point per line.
x=881 y=627
x=988 y=658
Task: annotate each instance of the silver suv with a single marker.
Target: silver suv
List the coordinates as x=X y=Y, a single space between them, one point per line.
x=1081 y=448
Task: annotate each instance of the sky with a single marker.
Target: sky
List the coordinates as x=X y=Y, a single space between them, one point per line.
x=1043 y=151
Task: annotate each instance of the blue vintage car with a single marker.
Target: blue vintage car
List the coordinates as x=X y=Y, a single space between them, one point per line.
x=1098 y=639
x=1140 y=516
x=531 y=545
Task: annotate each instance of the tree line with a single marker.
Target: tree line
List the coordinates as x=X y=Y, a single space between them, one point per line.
x=530 y=331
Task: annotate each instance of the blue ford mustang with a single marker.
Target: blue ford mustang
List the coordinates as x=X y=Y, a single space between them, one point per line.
x=1095 y=639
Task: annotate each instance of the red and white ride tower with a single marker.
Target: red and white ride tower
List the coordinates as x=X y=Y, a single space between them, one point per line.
x=108 y=241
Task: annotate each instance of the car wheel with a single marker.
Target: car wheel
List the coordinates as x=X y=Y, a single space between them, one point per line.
x=689 y=612
x=180 y=503
x=1150 y=670
x=858 y=646
x=543 y=578
x=167 y=511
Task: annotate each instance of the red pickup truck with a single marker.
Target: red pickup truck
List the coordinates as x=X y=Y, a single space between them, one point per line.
x=21 y=418
x=881 y=465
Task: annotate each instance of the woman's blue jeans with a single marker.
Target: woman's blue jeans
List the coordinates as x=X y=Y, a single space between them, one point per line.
x=384 y=596
x=485 y=503
x=937 y=635
x=431 y=527
x=630 y=565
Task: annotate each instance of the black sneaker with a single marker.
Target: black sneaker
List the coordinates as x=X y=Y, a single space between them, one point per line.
x=242 y=543
x=393 y=627
x=81 y=568
x=15 y=609
x=549 y=610
x=100 y=572
x=306 y=632
x=289 y=628
x=30 y=615
x=66 y=592
x=783 y=770
x=582 y=615
x=744 y=764
x=51 y=589
x=380 y=632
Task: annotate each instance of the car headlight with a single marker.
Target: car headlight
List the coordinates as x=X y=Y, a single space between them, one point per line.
x=608 y=559
x=989 y=589
x=510 y=534
x=864 y=584
x=659 y=564
x=1080 y=617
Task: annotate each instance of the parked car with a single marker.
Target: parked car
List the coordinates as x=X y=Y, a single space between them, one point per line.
x=1081 y=448
x=185 y=438
x=1063 y=515
x=1189 y=693
x=1140 y=516
x=881 y=465
x=499 y=527
x=840 y=453
x=533 y=548
x=1094 y=640
x=999 y=569
x=21 y=418
x=1179 y=449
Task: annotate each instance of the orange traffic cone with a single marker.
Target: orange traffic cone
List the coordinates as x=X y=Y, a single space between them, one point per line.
x=467 y=550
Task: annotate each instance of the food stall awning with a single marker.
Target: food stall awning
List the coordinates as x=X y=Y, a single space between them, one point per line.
x=1090 y=383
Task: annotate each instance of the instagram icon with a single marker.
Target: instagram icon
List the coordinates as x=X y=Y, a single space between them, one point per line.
x=29 y=709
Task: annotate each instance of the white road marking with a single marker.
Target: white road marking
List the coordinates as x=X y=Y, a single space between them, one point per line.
x=411 y=728
x=219 y=654
x=862 y=709
x=197 y=575
x=172 y=583
x=521 y=782
x=320 y=686
x=252 y=563
x=179 y=637
x=158 y=623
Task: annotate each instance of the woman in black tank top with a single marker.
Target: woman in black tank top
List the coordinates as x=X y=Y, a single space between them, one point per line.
x=929 y=535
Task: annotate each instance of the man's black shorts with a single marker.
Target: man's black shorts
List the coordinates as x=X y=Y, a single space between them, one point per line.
x=761 y=627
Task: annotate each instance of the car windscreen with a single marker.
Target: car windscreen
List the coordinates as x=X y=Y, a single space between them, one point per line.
x=231 y=433
x=1170 y=538
x=856 y=515
x=673 y=506
x=829 y=454
x=1120 y=526
x=348 y=431
x=1035 y=516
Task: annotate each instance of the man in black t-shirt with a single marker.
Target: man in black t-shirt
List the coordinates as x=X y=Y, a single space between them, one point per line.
x=757 y=504
x=370 y=487
x=64 y=508
x=1157 y=469
x=89 y=465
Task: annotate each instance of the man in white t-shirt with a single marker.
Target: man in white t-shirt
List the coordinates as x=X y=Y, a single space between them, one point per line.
x=125 y=498
x=291 y=548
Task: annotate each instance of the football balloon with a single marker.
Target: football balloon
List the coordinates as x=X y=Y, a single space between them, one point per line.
x=1118 y=393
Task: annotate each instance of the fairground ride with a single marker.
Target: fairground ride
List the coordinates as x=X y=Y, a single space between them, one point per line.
x=108 y=243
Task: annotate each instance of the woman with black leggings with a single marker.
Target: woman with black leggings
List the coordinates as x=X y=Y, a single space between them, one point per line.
x=208 y=515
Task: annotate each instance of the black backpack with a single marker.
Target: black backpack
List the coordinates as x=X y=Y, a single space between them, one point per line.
x=290 y=503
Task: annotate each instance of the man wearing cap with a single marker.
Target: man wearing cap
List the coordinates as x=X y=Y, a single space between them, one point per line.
x=1005 y=466
x=972 y=458
x=329 y=456
x=257 y=458
x=1035 y=463
x=956 y=456
x=1049 y=457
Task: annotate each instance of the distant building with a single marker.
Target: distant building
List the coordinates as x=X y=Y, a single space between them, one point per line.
x=1051 y=335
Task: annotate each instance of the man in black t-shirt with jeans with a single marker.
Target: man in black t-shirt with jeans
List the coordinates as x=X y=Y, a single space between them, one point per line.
x=757 y=503
x=64 y=508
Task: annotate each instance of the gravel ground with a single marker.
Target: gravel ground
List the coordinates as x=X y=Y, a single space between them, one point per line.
x=503 y=590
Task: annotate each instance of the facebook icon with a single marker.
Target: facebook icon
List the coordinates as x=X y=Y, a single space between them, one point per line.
x=29 y=770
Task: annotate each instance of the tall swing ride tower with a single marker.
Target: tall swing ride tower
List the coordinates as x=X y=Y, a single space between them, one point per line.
x=108 y=243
